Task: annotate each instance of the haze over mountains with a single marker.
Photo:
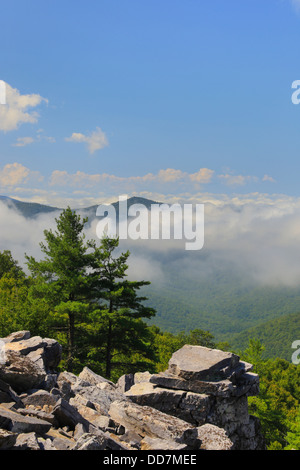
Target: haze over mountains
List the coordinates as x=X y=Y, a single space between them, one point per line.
x=246 y=277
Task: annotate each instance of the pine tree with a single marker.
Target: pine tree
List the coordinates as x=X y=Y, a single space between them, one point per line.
x=62 y=278
x=122 y=331
x=92 y=300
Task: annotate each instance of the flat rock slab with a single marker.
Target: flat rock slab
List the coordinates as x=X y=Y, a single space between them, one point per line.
x=25 y=346
x=222 y=388
x=200 y=363
x=15 y=422
x=147 y=421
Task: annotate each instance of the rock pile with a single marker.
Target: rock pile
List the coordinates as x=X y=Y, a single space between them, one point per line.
x=200 y=402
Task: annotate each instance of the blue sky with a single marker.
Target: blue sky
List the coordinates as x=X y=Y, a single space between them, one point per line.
x=165 y=99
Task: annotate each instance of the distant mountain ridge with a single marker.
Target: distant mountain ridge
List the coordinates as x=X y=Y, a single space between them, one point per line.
x=33 y=209
x=27 y=209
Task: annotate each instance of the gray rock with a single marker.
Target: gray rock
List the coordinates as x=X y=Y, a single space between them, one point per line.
x=59 y=439
x=95 y=418
x=17 y=336
x=52 y=354
x=150 y=443
x=49 y=417
x=222 y=388
x=27 y=441
x=214 y=438
x=26 y=346
x=125 y=382
x=20 y=372
x=144 y=420
x=45 y=444
x=40 y=398
x=200 y=363
x=90 y=442
x=49 y=382
x=101 y=399
x=202 y=397
x=7 y=439
x=15 y=422
x=147 y=394
x=131 y=438
x=67 y=415
x=92 y=378
x=247 y=384
x=7 y=394
x=190 y=407
x=64 y=382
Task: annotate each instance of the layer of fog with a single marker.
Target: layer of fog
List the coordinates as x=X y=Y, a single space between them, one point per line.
x=260 y=240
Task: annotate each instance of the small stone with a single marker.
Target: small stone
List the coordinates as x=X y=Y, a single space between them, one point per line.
x=213 y=438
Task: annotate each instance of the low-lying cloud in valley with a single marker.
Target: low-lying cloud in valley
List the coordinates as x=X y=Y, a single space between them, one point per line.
x=256 y=236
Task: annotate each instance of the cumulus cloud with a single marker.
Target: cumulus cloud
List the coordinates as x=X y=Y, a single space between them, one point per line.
x=97 y=140
x=13 y=174
x=204 y=175
x=19 y=109
x=169 y=175
x=237 y=180
x=40 y=137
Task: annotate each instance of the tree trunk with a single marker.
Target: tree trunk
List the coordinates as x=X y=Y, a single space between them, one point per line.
x=71 y=342
x=108 y=351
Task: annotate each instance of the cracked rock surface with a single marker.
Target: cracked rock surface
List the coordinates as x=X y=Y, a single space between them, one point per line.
x=198 y=403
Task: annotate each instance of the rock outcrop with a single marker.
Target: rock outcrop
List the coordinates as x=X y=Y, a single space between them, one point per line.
x=198 y=403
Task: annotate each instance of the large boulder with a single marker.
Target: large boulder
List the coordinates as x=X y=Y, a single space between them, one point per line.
x=200 y=363
x=28 y=361
x=20 y=372
x=148 y=421
x=214 y=438
x=15 y=422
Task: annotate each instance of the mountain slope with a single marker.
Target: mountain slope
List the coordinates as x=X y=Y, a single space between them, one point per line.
x=33 y=209
x=276 y=335
x=27 y=209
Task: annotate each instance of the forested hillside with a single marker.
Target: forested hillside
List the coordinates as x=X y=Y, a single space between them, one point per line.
x=224 y=303
x=277 y=336
x=79 y=294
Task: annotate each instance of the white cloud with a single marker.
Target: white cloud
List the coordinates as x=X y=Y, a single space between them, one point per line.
x=237 y=180
x=168 y=176
x=23 y=141
x=255 y=234
x=97 y=140
x=269 y=178
x=17 y=110
x=204 y=175
x=13 y=174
